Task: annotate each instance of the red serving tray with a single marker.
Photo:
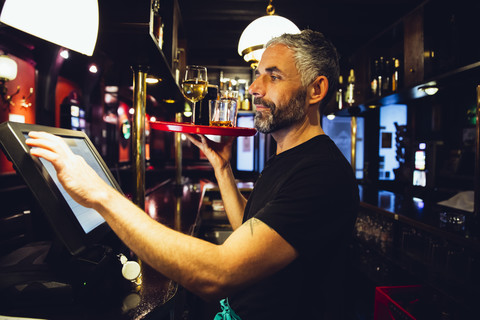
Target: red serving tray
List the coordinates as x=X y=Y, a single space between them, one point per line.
x=198 y=129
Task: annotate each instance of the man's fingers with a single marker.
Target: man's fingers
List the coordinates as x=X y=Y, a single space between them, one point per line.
x=41 y=143
x=229 y=140
x=195 y=141
x=203 y=139
x=44 y=153
x=43 y=135
x=47 y=141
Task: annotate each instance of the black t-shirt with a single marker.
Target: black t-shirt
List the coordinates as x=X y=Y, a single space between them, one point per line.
x=308 y=194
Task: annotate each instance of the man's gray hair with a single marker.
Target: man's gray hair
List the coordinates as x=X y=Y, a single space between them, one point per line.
x=314 y=56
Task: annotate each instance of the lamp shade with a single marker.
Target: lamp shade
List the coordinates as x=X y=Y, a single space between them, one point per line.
x=8 y=68
x=253 y=39
x=72 y=24
x=430 y=90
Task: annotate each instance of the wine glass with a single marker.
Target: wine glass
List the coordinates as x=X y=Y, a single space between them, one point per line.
x=195 y=86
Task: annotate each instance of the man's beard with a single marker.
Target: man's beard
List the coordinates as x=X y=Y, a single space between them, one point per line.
x=281 y=116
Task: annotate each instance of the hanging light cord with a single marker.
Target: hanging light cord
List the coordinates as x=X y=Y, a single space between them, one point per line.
x=270 y=8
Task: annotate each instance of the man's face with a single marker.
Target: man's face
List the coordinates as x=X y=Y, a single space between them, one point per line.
x=279 y=96
x=281 y=115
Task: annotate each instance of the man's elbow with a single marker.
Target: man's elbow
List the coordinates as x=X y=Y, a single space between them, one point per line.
x=214 y=290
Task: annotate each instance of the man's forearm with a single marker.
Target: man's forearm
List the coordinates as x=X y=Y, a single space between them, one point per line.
x=233 y=201
x=206 y=269
x=192 y=262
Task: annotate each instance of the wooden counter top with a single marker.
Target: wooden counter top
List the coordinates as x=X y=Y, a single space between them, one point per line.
x=116 y=298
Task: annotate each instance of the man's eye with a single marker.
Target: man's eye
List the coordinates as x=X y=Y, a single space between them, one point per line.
x=273 y=77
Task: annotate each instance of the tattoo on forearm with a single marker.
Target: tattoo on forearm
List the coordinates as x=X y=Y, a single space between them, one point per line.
x=252 y=221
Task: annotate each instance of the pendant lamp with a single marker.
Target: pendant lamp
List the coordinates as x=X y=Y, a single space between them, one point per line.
x=253 y=39
x=72 y=24
x=8 y=68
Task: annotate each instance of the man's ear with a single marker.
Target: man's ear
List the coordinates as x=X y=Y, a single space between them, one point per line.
x=317 y=90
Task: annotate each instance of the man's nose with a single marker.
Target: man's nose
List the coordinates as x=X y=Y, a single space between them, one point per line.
x=256 y=88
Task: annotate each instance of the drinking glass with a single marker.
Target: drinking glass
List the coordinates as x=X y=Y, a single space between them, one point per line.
x=194 y=86
x=223 y=112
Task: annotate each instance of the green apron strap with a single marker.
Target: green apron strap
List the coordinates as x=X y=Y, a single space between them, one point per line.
x=227 y=312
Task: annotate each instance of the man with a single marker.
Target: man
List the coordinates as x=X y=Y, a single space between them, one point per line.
x=283 y=258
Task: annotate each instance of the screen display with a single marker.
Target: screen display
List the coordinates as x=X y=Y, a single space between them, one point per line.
x=419 y=178
x=75 y=111
x=78 y=228
x=88 y=218
x=420 y=160
x=245 y=146
x=393 y=118
x=339 y=130
x=75 y=122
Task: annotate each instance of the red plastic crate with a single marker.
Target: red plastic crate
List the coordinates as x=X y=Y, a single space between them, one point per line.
x=393 y=303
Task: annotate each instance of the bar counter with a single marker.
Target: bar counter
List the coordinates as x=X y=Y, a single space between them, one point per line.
x=400 y=239
x=451 y=223
x=113 y=297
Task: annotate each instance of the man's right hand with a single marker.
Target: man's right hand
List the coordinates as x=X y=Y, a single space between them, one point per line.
x=218 y=153
x=80 y=181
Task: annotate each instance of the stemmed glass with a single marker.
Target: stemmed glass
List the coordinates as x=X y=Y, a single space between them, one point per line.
x=194 y=85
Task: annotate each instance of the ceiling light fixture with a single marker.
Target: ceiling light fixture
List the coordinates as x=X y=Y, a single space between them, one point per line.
x=8 y=68
x=93 y=68
x=64 y=54
x=429 y=89
x=71 y=24
x=253 y=39
x=8 y=72
x=153 y=80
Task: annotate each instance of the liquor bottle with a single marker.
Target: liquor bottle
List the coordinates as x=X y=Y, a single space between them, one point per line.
x=387 y=77
x=247 y=104
x=396 y=75
x=380 y=72
x=349 y=95
x=374 y=79
x=339 y=97
x=222 y=82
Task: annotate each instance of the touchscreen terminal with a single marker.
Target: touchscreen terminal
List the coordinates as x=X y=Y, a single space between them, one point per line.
x=88 y=218
x=77 y=227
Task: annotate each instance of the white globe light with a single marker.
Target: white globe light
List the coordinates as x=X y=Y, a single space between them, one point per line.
x=8 y=68
x=253 y=39
x=71 y=24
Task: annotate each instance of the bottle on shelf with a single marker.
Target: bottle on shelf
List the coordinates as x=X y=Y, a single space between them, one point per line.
x=349 y=94
x=246 y=104
x=396 y=75
x=339 y=97
x=222 y=82
x=380 y=72
x=374 y=79
x=387 y=77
